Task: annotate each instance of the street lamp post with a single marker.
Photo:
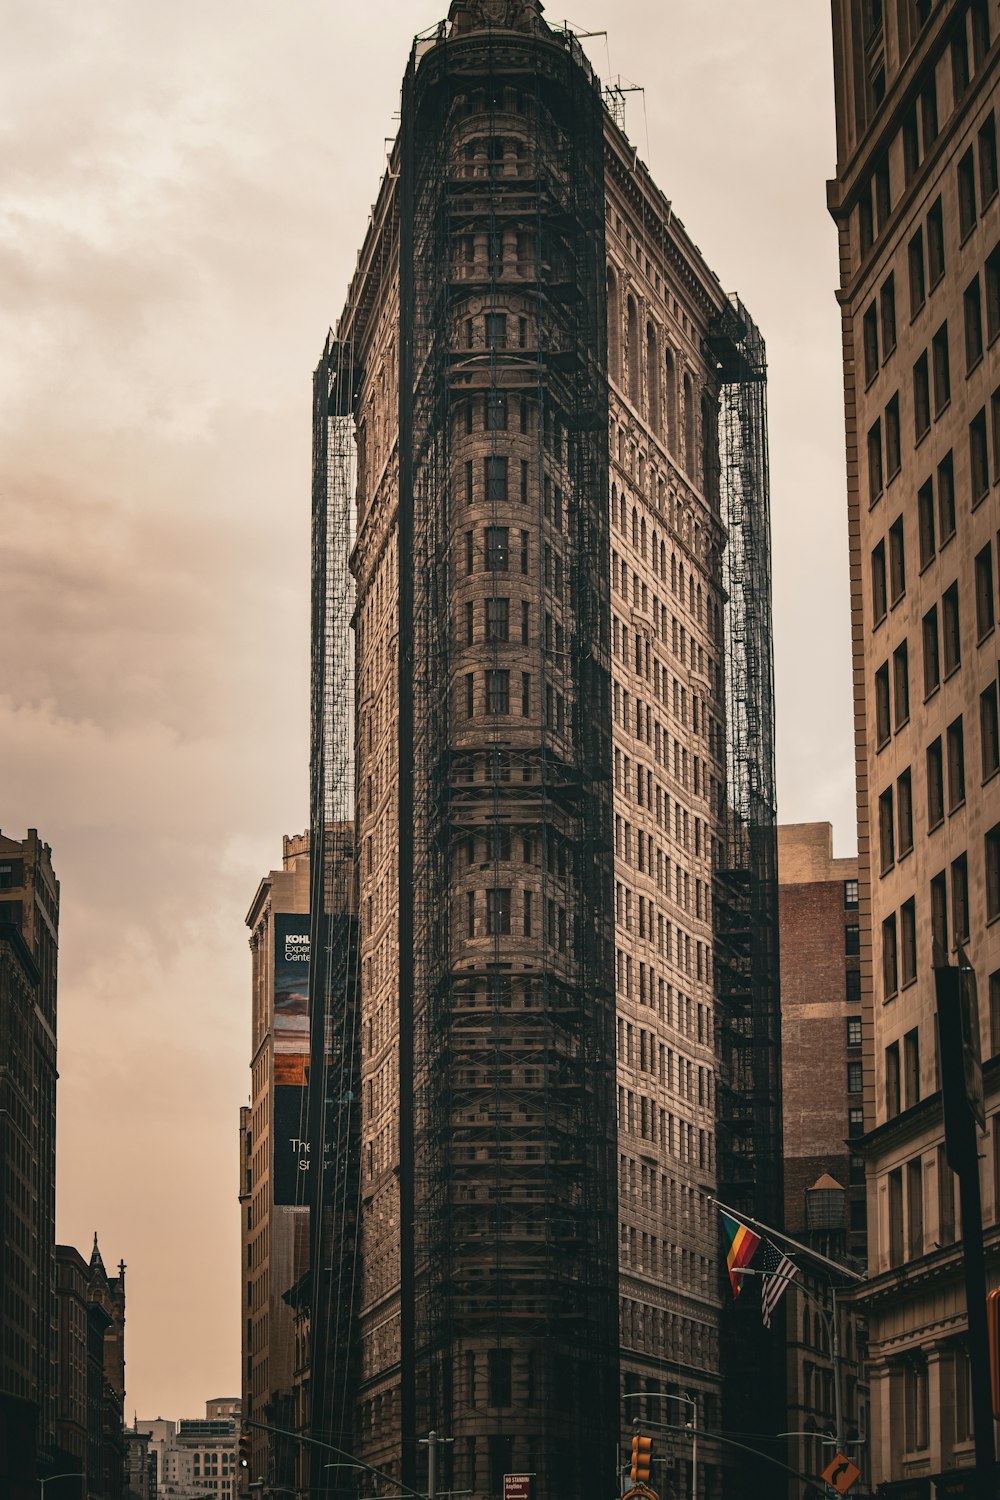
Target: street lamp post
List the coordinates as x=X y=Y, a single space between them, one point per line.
x=68 y=1474
x=689 y=1401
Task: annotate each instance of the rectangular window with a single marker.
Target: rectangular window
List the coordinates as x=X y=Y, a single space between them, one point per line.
x=855 y=1078
x=869 y=328
x=932 y=656
x=989 y=731
x=951 y=630
x=497 y=619
x=468 y=553
x=470 y=694
x=973 y=309
x=921 y=400
x=966 y=195
x=470 y=914
x=993 y=873
x=911 y=1065
x=497 y=912
x=852 y=940
x=893 y=457
x=908 y=943
x=496 y=330
x=942 y=369
x=946 y=499
x=527 y=914
x=854 y=1031
x=928 y=103
x=883 y=724
x=925 y=518
x=866 y=221
x=897 y=561
x=524 y=481
x=887 y=309
x=985 y=617
x=911 y=145
x=956 y=764
x=495 y=411
x=892 y=1089
x=935 y=784
x=890 y=965
x=468 y=481
x=960 y=74
x=499 y=1377
x=524 y=550
x=901 y=684
x=851 y=895
x=915 y=1208
x=497 y=549
x=852 y=984
x=497 y=692
x=879 y=600
x=887 y=836
x=495 y=478
x=939 y=911
x=935 y=243
x=904 y=812
x=855 y=1122
x=918 y=286
x=470 y=626
x=960 y=898
x=979 y=15
x=883 y=193
x=979 y=458
x=525 y=695
x=870 y=335
x=993 y=294
x=875 y=461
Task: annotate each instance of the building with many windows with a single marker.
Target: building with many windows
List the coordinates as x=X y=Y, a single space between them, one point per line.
x=822 y=1089
x=29 y=933
x=559 y=426
x=917 y=209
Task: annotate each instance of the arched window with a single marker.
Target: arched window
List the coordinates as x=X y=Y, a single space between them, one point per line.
x=633 y=351
x=690 y=461
x=663 y=561
x=614 y=505
x=670 y=393
x=614 y=328
x=623 y=528
x=635 y=527
x=642 y=540
x=653 y=379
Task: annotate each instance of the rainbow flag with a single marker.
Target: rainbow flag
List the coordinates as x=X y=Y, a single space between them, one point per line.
x=741 y=1243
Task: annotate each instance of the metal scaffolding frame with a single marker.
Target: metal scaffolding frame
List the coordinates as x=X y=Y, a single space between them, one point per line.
x=749 y=1157
x=507 y=1123
x=334 y=1041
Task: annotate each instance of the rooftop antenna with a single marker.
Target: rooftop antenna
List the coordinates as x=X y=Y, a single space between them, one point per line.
x=614 y=98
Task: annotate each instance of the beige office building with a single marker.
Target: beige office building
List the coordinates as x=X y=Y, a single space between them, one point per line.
x=918 y=213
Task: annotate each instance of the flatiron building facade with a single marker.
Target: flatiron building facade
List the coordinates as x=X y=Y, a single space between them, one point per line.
x=532 y=364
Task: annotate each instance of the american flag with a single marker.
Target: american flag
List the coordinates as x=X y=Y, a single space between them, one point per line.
x=778 y=1272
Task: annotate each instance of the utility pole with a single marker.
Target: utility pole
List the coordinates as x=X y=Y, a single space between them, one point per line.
x=432 y=1441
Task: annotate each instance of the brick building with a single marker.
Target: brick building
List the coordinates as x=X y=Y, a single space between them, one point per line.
x=29 y=931
x=530 y=359
x=917 y=209
x=821 y=1071
x=273 y=1131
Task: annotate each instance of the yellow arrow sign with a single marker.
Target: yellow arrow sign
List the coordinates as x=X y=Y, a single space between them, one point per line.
x=841 y=1472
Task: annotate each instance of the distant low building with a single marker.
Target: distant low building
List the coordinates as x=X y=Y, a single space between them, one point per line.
x=195 y=1457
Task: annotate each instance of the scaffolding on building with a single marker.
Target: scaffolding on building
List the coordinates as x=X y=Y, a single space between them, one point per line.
x=749 y=1132
x=507 y=1122
x=332 y=1089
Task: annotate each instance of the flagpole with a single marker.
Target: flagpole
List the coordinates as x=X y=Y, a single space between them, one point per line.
x=778 y=1234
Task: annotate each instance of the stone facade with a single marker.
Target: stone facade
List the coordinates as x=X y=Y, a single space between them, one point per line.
x=29 y=933
x=273 y=1193
x=918 y=215
x=515 y=896
x=821 y=1067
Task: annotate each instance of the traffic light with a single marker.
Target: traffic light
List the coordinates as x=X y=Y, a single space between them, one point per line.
x=993 y=1329
x=642 y=1458
x=246 y=1447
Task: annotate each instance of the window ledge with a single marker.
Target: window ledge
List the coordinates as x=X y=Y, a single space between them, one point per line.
x=933 y=827
x=951 y=672
x=933 y=692
x=958 y=807
x=985 y=636
x=939 y=411
x=919 y=438
x=901 y=725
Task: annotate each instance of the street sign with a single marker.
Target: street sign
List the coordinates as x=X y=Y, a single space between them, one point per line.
x=517 y=1486
x=841 y=1472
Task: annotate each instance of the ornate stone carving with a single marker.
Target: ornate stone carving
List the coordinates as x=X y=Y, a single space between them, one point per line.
x=511 y=15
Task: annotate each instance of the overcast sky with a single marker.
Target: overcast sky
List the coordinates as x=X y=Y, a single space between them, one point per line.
x=186 y=188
